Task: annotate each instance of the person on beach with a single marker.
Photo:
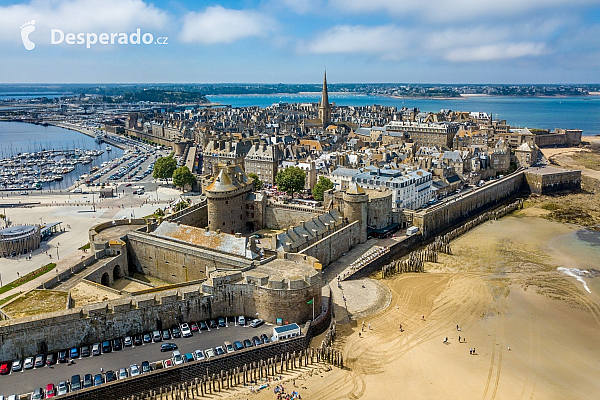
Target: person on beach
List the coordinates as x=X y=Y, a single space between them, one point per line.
x=459 y=339
x=369 y=326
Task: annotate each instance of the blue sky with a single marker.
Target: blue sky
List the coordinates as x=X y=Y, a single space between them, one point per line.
x=292 y=41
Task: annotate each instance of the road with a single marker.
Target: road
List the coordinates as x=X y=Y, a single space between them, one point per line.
x=26 y=381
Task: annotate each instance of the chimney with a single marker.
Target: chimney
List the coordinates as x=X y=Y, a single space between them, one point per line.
x=218 y=231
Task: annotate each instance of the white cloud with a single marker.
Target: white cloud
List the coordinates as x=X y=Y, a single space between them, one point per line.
x=384 y=39
x=495 y=52
x=453 y=9
x=299 y=6
x=221 y=25
x=79 y=16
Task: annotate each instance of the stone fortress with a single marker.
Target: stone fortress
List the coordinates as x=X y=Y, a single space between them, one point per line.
x=235 y=252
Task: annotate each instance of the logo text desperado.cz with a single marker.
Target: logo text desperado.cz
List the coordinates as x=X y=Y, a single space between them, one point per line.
x=57 y=36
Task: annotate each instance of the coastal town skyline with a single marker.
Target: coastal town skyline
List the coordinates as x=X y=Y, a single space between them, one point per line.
x=271 y=42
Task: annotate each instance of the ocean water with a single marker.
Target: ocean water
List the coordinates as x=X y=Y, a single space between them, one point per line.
x=544 y=113
x=18 y=137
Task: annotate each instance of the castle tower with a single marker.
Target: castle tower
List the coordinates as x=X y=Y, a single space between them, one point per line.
x=324 y=107
x=226 y=196
x=355 y=208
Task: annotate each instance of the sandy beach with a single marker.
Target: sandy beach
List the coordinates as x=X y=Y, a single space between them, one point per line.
x=534 y=329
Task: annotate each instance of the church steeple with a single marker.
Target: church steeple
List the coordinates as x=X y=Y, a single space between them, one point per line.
x=324 y=107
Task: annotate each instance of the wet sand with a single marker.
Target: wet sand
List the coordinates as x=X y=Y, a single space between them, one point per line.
x=534 y=329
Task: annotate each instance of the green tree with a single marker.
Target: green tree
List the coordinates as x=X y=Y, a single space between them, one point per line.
x=322 y=185
x=181 y=205
x=183 y=177
x=164 y=167
x=258 y=184
x=290 y=180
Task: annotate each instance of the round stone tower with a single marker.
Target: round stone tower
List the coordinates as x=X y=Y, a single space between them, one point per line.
x=355 y=208
x=226 y=197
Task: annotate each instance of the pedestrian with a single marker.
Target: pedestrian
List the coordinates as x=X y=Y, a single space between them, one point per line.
x=101 y=370
x=369 y=326
x=473 y=350
x=359 y=334
x=456 y=327
x=470 y=351
x=459 y=339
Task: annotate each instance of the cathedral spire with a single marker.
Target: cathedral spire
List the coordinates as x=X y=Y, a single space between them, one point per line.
x=325 y=95
x=324 y=107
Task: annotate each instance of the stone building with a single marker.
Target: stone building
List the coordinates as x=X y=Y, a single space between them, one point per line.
x=426 y=134
x=263 y=160
x=219 y=151
x=19 y=239
x=324 y=106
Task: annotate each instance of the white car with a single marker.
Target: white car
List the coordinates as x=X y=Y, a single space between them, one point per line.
x=241 y=320
x=28 y=363
x=209 y=353
x=122 y=373
x=198 y=355
x=256 y=323
x=185 y=330
x=177 y=359
x=62 y=389
x=229 y=347
x=134 y=370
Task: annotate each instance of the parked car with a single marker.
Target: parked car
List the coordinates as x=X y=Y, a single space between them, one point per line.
x=198 y=355
x=256 y=323
x=62 y=388
x=146 y=367
x=238 y=345
x=96 y=349
x=194 y=327
x=185 y=330
x=213 y=324
x=147 y=337
x=175 y=331
x=203 y=326
x=106 y=347
x=177 y=358
x=74 y=352
x=168 y=363
x=247 y=343
x=50 y=390
x=110 y=376
x=137 y=340
x=17 y=365
x=156 y=336
x=51 y=359
x=127 y=341
x=241 y=320
x=168 y=347
x=39 y=360
x=122 y=373
x=75 y=382
x=188 y=357
x=28 y=363
x=117 y=344
x=265 y=339
x=229 y=347
x=98 y=379
x=88 y=381
x=62 y=356
x=4 y=368
x=221 y=321
x=219 y=350
x=256 y=341
x=209 y=353
x=134 y=370
x=85 y=351
x=37 y=394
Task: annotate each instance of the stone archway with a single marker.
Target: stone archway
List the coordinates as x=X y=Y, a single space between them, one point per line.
x=117 y=273
x=105 y=279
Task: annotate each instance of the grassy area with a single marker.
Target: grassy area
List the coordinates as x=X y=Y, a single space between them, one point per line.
x=85 y=246
x=37 y=302
x=30 y=276
x=9 y=298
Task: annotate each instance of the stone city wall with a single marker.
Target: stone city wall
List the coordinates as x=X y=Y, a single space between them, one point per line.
x=283 y=216
x=163 y=258
x=453 y=211
x=24 y=337
x=109 y=269
x=331 y=247
x=195 y=215
x=541 y=182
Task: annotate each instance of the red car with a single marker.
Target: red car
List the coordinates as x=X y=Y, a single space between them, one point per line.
x=4 y=368
x=50 y=390
x=194 y=327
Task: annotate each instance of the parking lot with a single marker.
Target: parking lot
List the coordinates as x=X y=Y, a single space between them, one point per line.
x=25 y=381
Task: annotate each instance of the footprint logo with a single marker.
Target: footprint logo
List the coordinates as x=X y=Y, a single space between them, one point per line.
x=26 y=29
